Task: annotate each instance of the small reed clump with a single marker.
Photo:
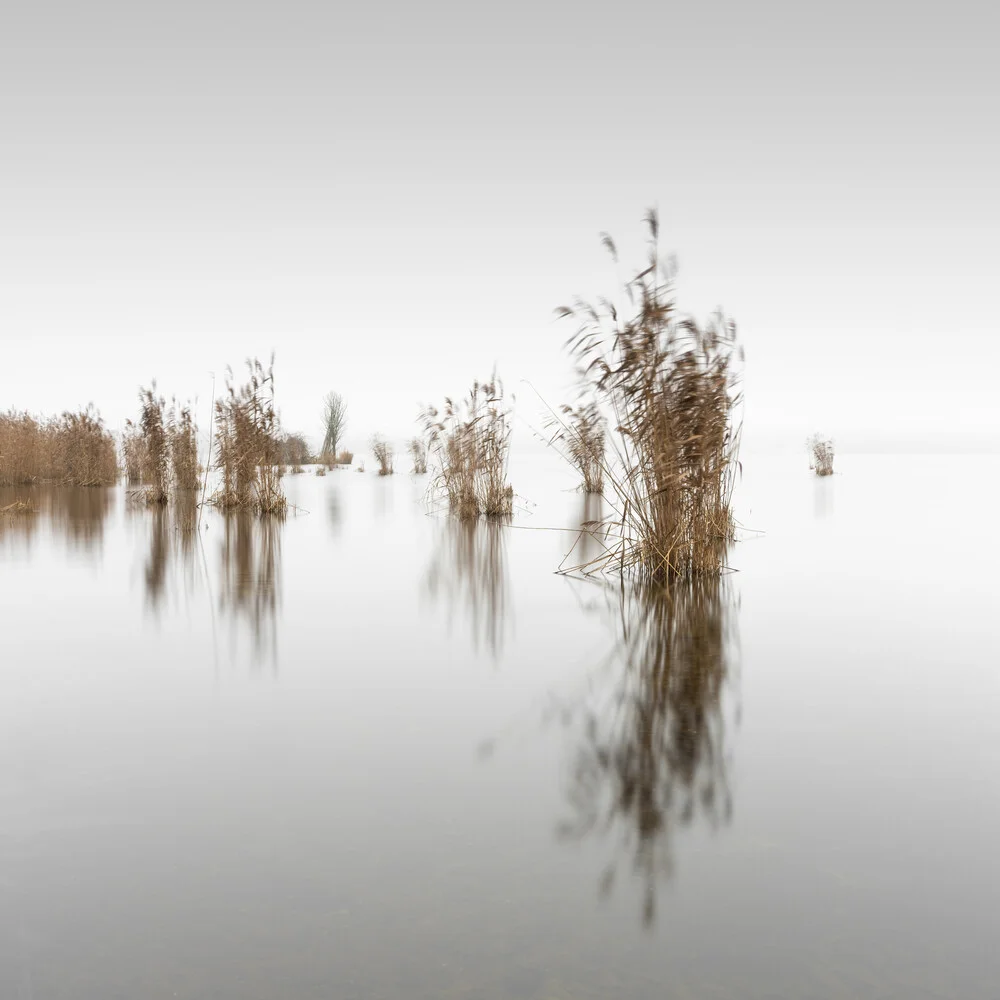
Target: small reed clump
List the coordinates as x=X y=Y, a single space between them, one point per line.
x=345 y=457
x=821 y=450
x=671 y=385
x=247 y=446
x=581 y=430
x=74 y=449
x=418 y=452
x=133 y=453
x=471 y=443
x=383 y=453
x=321 y=470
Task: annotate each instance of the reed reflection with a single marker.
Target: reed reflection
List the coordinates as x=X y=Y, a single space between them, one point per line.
x=172 y=545
x=469 y=574
x=652 y=757
x=76 y=514
x=251 y=576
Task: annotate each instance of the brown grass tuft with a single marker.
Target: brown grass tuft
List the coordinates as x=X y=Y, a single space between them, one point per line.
x=821 y=450
x=671 y=387
x=247 y=447
x=72 y=450
x=182 y=432
x=471 y=443
x=382 y=451
x=345 y=457
x=418 y=452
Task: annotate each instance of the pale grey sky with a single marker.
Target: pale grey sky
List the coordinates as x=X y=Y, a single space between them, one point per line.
x=393 y=197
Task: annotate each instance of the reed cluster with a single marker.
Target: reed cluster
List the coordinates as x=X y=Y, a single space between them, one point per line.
x=345 y=457
x=74 y=449
x=581 y=431
x=671 y=387
x=182 y=433
x=821 y=450
x=156 y=446
x=133 y=455
x=470 y=443
x=246 y=444
x=383 y=453
x=418 y=452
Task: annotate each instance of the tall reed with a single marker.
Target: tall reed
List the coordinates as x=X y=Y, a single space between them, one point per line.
x=133 y=453
x=74 y=449
x=821 y=450
x=383 y=453
x=182 y=431
x=470 y=442
x=581 y=430
x=156 y=445
x=418 y=452
x=671 y=387
x=247 y=449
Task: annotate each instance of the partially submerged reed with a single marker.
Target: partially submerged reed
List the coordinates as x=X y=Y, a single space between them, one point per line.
x=670 y=386
x=156 y=445
x=383 y=453
x=470 y=442
x=821 y=450
x=182 y=432
x=133 y=454
x=581 y=430
x=246 y=444
x=74 y=449
x=418 y=452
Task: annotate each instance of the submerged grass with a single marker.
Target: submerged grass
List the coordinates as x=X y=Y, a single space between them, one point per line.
x=670 y=387
x=470 y=443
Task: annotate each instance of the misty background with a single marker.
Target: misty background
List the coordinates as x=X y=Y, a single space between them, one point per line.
x=393 y=199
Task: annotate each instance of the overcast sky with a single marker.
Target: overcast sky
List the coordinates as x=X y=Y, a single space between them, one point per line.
x=395 y=196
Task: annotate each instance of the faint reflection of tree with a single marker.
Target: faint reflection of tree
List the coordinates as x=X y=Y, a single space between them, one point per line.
x=469 y=573
x=653 y=757
x=251 y=576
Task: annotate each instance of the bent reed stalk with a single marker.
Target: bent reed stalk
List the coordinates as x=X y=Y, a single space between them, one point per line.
x=471 y=444
x=670 y=386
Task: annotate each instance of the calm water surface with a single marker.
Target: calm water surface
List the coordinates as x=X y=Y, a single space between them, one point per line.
x=374 y=753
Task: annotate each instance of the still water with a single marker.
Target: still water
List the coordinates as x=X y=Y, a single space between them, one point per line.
x=374 y=753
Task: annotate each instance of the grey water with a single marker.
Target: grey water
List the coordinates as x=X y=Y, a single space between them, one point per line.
x=371 y=752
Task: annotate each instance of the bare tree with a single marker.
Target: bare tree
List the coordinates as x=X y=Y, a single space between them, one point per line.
x=334 y=421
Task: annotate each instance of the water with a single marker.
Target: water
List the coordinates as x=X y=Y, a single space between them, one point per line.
x=373 y=753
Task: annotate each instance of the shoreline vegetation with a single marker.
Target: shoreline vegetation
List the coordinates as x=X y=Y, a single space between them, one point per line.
x=654 y=432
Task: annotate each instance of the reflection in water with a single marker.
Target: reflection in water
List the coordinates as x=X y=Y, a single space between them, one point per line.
x=652 y=757
x=77 y=513
x=251 y=575
x=591 y=517
x=823 y=496
x=334 y=511
x=172 y=538
x=469 y=568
